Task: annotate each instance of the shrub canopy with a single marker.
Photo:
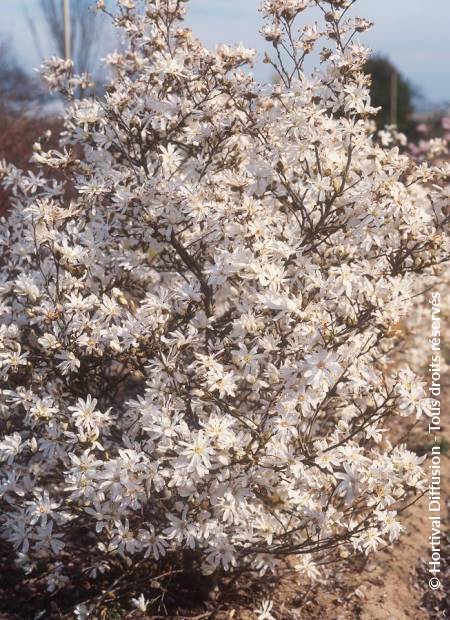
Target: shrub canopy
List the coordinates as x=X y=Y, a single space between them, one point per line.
x=200 y=293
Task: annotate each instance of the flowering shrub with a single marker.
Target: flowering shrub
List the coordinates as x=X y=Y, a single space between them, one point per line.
x=434 y=139
x=421 y=323
x=199 y=295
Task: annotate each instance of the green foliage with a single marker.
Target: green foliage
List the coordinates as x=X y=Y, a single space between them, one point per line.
x=381 y=70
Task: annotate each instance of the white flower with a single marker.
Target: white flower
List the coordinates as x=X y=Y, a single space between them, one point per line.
x=155 y=545
x=198 y=453
x=27 y=286
x=12 y=360
x=181 y=530
x=41 y=508
x=49 y=341
x=223 y=382
x=349 y=482
x=46 y=539
x=81 y=612
x=87 y=112
x=10 y=447
x=140 y=603
x=246 y=358
x=85 y=413
x=322 y=369
x=170 y=158
x=370 y=540
x=69 y=362
x=264 y=611
x=308 y=567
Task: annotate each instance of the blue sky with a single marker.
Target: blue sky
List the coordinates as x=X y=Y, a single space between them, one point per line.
x=414 y=34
